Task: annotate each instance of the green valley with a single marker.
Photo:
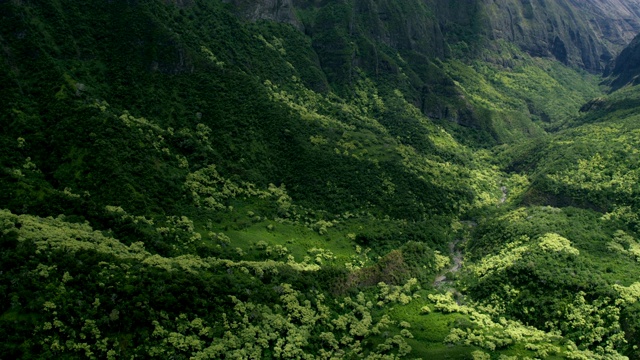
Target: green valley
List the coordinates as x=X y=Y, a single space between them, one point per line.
x=340 y=179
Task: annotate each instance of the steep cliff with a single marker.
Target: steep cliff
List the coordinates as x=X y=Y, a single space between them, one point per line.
x=275 y=10
x=626 y=67
x=617 y=20
x=412 y=45
x=586 y=34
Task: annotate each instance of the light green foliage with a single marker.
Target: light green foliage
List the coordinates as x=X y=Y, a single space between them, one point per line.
x=308 y=104
x=275 y=44
x=58 y=234
x=124 y=216
x=597 y=323
x=492 y=334
x=223 y=239
x=365 y=101
x=359 y=259
x=589 y=175
x=441 y=261
x=210 y=190
x=397 y=294
x=318 y=140
x=363 y=137
x=60 y=337
x=321 y=226
x=211 y=57
x=278 y=250
x=425 y=310
x=321 y=255
x=286 y=329
x=509 y=255
x=480 y=355
x=444 y=174
x=624 y=214
x=593 y=322
x=486 y=187
x=555 y=243
x=628 y=295
x=599 y=160
x=282 y=198
x=180 y=230
x=540 y=89
x=624 y=243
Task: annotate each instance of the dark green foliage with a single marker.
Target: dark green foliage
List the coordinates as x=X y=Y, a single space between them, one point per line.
x=173 y=176
x=177 y=78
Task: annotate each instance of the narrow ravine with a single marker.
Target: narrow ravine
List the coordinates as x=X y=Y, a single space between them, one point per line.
x=456 y=255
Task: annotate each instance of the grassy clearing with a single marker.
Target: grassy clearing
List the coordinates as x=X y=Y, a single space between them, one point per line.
x=297 y=239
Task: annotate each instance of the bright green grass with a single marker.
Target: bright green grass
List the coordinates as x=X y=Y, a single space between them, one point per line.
x=440 y=351
x=430 y=330
x=297 y=239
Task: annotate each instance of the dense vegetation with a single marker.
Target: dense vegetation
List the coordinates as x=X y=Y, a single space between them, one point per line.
x=178 y=182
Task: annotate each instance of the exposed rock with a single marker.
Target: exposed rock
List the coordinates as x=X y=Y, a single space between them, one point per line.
x=594 y=104
x=577 y=32
x=626 y=67
x=276 y=10
x=404 y=40
x=617 y=20
x=583 y=33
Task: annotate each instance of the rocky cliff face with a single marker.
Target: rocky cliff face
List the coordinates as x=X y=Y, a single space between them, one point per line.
x=587 y=34
x=626 y=67
x=583 y=33
x=400 y=43
x=275 y=10
x=617 y=20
